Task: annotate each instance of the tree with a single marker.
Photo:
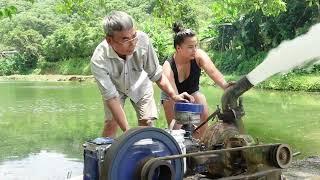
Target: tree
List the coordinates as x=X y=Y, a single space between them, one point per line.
x=9 y=10
x=27 y=43
x=252 y=32
x=71 y=41
x=233 y=10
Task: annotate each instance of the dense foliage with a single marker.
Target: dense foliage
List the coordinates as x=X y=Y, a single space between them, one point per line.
x=244 y=42
x=237 y=34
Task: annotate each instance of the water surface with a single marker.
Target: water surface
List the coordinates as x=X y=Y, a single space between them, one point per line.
x=44 y=124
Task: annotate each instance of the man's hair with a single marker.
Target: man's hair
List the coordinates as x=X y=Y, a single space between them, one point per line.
x=117 y=21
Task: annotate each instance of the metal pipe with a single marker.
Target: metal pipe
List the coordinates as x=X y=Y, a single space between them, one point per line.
x=229 y=102
x=231 y=95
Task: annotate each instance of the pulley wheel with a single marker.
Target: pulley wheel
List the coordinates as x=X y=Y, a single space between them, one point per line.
x=135 y=147
x=157 y=169
x=282 y=156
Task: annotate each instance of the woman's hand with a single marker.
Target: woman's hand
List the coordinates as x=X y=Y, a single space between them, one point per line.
x=228 y=84
x=183 y=97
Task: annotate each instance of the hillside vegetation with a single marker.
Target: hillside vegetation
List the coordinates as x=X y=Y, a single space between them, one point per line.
x=59 y=37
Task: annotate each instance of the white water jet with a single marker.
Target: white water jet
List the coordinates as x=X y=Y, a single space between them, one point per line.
x=302 y=50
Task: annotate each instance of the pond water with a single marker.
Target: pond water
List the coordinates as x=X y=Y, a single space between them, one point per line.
x=44 y=124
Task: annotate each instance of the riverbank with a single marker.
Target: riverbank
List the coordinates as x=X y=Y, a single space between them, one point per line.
x=50 y=78
x=282 y=82
x=286 y=82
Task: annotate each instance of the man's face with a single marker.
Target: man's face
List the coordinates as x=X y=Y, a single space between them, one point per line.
x=123 y=42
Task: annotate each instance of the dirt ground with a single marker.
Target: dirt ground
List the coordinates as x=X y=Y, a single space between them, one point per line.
x=308 y=168
x=305 y=169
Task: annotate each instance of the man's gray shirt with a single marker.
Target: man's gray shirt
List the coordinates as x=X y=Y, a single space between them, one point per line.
x=131 y=77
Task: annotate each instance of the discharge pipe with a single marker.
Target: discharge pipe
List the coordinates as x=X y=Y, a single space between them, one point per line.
x=232 y=108
x=288 y=55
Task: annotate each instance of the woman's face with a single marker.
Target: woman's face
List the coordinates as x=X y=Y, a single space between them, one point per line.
x=188 y=48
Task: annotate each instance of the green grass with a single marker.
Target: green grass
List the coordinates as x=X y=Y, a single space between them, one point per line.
x=74 y=66
x=285 y=82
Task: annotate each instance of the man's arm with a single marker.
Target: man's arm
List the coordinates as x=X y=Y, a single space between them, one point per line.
x=118 y=113
x=109 y=94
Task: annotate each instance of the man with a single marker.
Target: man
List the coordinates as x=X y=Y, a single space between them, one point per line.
x=123 y=65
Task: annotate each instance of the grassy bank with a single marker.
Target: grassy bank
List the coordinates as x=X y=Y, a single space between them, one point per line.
x=286 y=82
x=293 y=82
x=78 y=67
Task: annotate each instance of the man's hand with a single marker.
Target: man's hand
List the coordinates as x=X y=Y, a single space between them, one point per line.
x=183 y=97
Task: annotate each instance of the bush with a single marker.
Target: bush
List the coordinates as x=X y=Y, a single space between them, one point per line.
x=160 y=37
x=236 y=62
x=293 y=82
x=27 y=43
x=48 y=67
x=70 y=42
x=75 y=66
x=13 y=65
x=79 y=66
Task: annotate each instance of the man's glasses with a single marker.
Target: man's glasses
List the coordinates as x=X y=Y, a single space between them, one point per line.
x=129 y=41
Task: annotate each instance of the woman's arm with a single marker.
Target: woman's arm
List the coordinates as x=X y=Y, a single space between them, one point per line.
x=207 y=65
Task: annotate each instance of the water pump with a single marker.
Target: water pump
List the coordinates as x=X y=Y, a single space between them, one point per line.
x=224 y=152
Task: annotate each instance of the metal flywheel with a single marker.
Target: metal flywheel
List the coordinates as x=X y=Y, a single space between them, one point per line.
x=129 y=156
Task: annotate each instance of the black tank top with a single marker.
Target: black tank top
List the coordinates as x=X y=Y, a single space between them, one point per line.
x=191 y=84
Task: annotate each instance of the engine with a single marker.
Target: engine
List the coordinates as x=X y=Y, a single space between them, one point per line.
x=224 y=152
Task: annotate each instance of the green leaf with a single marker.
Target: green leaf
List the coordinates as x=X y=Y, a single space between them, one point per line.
x=13 y=9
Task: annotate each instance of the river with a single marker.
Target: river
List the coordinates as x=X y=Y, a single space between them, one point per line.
x=44 y=124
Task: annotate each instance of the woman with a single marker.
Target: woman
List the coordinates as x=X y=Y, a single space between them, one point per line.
x=183 y=70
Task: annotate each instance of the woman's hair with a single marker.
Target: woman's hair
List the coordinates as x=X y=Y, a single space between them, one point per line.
x=180 y=34
x=117 y=21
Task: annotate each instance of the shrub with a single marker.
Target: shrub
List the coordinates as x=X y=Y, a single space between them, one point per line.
x=160 y=37
x=13 y=65
x=69 y=42
x=80 y=66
